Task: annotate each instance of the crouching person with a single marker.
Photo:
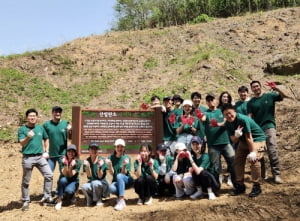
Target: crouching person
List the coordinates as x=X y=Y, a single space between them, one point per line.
x=204 y=176
x=97 y=186
x=146 y=170
x=68 y=182
x=165 y=163
x=182 y=179
x=251 y=146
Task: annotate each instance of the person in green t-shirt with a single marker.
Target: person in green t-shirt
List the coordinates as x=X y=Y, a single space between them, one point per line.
x=119 y=166
x=218 y=141
x=165 y=163
x=146 y=170
x=58 y=131
x=251 y=145
x=97 y=185
x=261 y=108
x=68 y=182
x=203 y=173
x=241 y=104
x=35 y=144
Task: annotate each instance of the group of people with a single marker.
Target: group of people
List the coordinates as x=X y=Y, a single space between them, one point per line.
x=187 y=163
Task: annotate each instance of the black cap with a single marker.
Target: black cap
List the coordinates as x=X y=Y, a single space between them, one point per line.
x=162 y=147
x=177 y=97
x=210 y=97
x=57 y=109
x=72 y=147
x=166 y=98
x=94 y=145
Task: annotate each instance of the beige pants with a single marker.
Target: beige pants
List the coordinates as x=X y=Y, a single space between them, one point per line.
x=240 y=161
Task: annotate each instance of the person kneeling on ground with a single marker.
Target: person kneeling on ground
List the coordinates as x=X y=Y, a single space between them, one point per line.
x=97 y=186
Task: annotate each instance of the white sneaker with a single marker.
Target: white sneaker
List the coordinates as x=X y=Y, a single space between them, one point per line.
x=148 y=201
x=140 y=201
x=99 y=203
x=277 y=179
x=229 y=181
x=120 y=205
x=58 y=205
x=196 y=195
x=25 y=206
x=211 y=196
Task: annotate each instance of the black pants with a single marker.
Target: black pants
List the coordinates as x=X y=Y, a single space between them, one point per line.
x=145 y=187
x=162 y=186
x=205 y=179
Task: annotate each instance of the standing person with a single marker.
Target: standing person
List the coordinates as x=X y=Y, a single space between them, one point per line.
x=198 y=111
x=97 y=186
x=182 y=178
x=58 y=131
x=119 y=166
x=155 y=101
x=146 y=170
x=217 y=139
x=203 y=173
x=34 y=141
x=186 y=125
x=241 y=105
x=165 y=163
x=169 y=133
x=251 y=146
x=177 y=102
x=261 y=108
x=224 y=98
x=68 y=182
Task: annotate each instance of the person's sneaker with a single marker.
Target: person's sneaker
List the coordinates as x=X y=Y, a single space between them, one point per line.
x=140 y=201
x=46 y=199
x=58 y=205
x=256 y=190
x=196 y=195
x=73 y=200
x=148 y=201
x=211 y=196
x=239 y=189
x=221 y=178
x=277 y=179
x=25 y=206
x=99 y=203
x=120 y=205
x=229 y=181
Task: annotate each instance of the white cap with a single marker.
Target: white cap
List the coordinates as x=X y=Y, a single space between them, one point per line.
x=120 y=142
x=187 y=102
x=180 y=146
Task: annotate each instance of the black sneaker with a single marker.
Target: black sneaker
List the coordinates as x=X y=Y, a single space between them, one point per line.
x=238 y=190
x=256 y=190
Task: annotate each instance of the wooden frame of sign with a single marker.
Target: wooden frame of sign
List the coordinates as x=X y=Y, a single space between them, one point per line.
x=105 y=126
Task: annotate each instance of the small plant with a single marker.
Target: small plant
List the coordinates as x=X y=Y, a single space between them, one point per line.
x=150 y=63
x=202 y=18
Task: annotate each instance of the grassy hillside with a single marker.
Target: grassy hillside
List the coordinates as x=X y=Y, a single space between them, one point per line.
x=124 y=69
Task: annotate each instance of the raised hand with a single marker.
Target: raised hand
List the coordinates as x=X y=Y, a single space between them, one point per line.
x=238 y=132
x=213 y=122
x=30 y=134
x=271 y=84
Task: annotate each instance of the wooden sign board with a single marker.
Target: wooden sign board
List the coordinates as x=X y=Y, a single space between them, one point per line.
x=105 y=126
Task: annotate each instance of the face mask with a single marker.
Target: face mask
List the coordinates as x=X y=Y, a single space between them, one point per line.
x=161 y=157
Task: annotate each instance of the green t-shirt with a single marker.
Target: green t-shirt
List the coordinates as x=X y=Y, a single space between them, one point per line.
x=35 y=144
x=94 y=169
x=201 y=130
x=263 y=109
x=145 y=168
x=169 y=131
x=204 y=162
x=117 y=165
x=76 y=168
x=169 y=162
x=241 y=107
x=58 y=138
x=249 y=126
x=215 y=135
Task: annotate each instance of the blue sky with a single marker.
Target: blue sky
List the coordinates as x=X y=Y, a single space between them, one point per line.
x=29 y=25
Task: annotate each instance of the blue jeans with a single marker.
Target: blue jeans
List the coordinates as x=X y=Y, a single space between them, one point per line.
x=66 y=187
x=123 y=182
x=94 y=189
x=52 y=162
x=227 y=151
x=186 y=139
